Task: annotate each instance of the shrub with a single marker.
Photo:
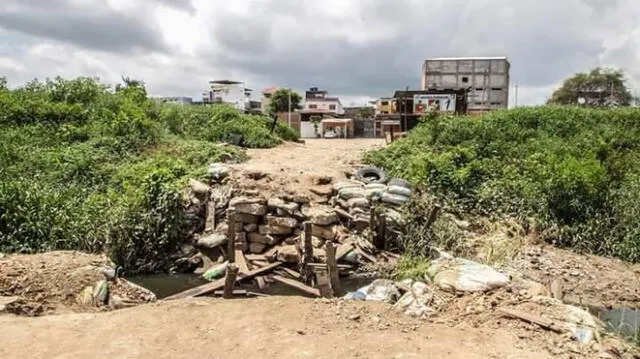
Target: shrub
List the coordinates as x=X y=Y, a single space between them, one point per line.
x=571 y=168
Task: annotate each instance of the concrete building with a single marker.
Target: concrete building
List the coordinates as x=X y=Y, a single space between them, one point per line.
x=487 y=79
x=233 y=93
x=179 y=100
x=318 y=101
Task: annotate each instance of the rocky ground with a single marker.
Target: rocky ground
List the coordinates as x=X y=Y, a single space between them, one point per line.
x=466 y=326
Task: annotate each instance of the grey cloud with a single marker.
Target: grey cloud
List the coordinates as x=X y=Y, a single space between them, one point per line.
x=544 y=46
x=95 y=26
x=184 y=5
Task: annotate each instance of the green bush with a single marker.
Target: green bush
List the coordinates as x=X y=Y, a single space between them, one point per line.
x=88 y=168
x=573 y=169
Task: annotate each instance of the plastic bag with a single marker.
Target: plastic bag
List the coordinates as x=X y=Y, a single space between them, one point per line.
x=218 y=171
x=380 y=290
x=414 y=301
x=465 y=276
x=216 y=271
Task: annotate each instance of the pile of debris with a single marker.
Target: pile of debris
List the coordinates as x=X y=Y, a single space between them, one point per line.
x=306 y=245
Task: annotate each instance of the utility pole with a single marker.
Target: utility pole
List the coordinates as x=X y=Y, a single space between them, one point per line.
x=289 y=113
x=611 y=96
x=516 y=97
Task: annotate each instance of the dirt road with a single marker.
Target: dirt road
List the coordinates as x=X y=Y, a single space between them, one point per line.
x=284 y=327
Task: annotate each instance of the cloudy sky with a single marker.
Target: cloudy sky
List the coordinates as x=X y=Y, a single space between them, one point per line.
x=358 y=49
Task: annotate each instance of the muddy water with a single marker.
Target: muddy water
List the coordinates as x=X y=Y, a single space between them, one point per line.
x=623 y=321
x=164 y=285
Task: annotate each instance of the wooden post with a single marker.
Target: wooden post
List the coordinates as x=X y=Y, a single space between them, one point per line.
x=433 y=215
x=231 y=221
x=373 y=232
x=332 y=267
x=323 y=282
x=230 y=280
x=381 y=231
x=307 y=256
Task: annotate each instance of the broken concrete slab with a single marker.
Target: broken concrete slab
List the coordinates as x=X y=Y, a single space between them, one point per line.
x=247 y=218
x=246 y=200
x=271 y=229
x=297 y=198
x=255 y=209
x=211 y=241
x=279 y=204
x=257 y=248
x=321 y=216
x=6 y=302
x=250 y=228
x=288 y=254
x=281 y=221
x=327 y=233
x=199 y=189
x=261 y=238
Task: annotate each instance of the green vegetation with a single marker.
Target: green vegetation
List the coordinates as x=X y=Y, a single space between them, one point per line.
x=597 y=88
x=574 y=172
x=84 y=167
x=284 y=100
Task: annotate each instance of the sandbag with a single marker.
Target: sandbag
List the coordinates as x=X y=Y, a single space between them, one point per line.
x=375 y=186
x=358 y=203
x=373 y=193
x=349 y=193
x=463 y=275
x=401 y=191
x=394 y=199
x=346 y=184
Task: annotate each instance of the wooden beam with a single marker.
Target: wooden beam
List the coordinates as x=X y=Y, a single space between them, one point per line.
x=323 y=283
x=230 y=280
x=307 y=255
x=256 y=257
x=366 y=255
x=231 y=221
x=218 y=284
x=297 y=285
x=381 y=231
x=262 y=285
x=332 y=269
x=210 y=224
x=291 y=272
x=529 y=318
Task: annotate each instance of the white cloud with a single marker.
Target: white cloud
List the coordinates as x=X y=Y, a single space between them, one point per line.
x=359 y=49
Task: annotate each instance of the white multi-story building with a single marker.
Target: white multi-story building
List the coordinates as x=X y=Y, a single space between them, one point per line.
x=317 y=101
x=487 y=79
x=231 y=92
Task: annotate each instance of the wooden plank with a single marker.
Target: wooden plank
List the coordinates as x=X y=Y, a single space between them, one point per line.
x=291 y=272
x=324 y=265
x=322 y=278
x=230 y=280
x=366 y=255
x=297 y=285
x=343 y=250
x=241 y=262
x=255 y=257
x=262 y=285
x=307 y=255
x=260 y=263
x=332 y=269
x=529 y=318
x=231 y=218
x=218 y=284
x=210 y=224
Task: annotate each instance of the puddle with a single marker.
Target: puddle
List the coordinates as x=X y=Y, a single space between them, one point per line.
x=623 y=321
x=164 y=285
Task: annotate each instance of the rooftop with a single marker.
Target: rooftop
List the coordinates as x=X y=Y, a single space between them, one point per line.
x=467 y=58
x=225 y=82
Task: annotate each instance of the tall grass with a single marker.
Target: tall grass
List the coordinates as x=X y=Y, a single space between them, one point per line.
x=84 y=167
x=576 y=171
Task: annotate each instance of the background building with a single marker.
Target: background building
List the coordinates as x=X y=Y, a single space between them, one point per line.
x=487 y=79
x=230 y=92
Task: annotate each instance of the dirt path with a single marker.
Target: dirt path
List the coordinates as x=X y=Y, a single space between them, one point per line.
x=251 y=328
x=294 y=168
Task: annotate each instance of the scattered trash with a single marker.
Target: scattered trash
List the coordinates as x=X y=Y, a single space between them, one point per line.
x=465 y=276
x=101 y=292
x=218 y=171
x=381 y=290
x=216 y=272
x=415 y=301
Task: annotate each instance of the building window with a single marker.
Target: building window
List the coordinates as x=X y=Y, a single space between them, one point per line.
x=465 y=79
x=332 y=107
x=496 y=103
x=480 y=89
x=313 y=105
x=384 y=103
x=479 y=103
x=496 y=89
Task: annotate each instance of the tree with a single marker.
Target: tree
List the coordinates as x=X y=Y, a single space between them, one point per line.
x=365 y=112
x=598 y=88
x=280 y=101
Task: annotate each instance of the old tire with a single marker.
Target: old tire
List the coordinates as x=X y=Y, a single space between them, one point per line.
x=371 y=175
x=400 y=183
